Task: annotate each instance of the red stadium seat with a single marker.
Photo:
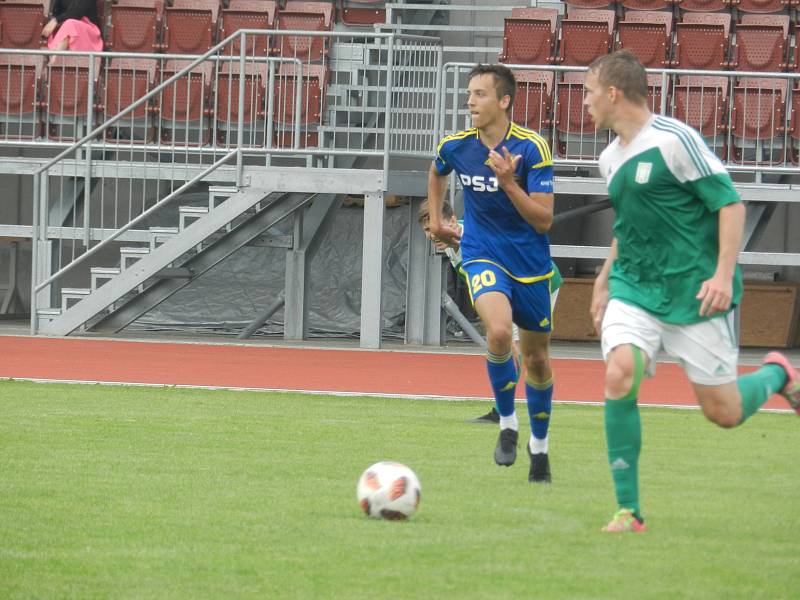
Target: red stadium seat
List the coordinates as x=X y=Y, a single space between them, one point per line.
x=249 y=14
x=762 y=43
x=575 y=134
x=761 y=6
x=794 y=125
x=362 y=13
x=590 y=3
x=190 y=26
x=702 y=103
x=20 y=80
x=21 y=23
x=703 y=41
x=229 y=81
x=655 y=91
x=703 y=5
x=126 y=81
x=529 y=36
x=757 y=121
x=646 y=4
x=647 y=34
x=311 y=105
x=184 y=106
x=135 y=26
x=585 y=35
x=306 y=16
x=533 y=102
x=67 y=96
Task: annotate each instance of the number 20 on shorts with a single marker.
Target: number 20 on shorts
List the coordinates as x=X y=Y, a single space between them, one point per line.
x=482 y=279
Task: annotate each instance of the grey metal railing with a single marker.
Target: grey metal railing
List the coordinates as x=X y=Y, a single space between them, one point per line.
x=206 y=111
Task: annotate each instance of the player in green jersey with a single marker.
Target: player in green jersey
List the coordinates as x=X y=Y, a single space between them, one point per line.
x=671 y=278
x=453 y=253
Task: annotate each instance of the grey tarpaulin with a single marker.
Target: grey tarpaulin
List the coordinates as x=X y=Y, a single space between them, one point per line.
x=231 y=294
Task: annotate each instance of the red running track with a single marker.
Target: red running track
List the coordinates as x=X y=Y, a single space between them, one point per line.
x=311 y=370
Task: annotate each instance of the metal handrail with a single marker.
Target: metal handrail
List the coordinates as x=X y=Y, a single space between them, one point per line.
x=138 y=219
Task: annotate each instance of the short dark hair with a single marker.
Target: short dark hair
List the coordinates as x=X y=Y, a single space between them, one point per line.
x=505 y=84
x=424 y=212
x=624 y=71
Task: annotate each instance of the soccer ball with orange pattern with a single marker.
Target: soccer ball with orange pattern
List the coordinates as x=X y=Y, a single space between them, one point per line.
x=389 y=490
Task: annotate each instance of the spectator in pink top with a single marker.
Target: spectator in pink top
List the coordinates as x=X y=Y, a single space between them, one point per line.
x=73 y=25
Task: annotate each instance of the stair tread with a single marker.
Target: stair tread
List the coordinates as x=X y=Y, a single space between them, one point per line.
x=81 y=291
x=134 y=250
x=105 y=270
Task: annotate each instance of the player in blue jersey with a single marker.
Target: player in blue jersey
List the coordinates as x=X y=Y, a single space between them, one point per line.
x=507 y=175
x=453 y=253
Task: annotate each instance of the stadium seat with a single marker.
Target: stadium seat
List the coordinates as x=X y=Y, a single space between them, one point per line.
x=135 y=26
x=190 y=26
x=362 y=13
x=21 y=23
x=184 y=106
x=575 y=134
x=585 y=35
x=226 y=93
x=703 y=41
x=66 y=96
x=127 y=80
x=762 y=43
x=529 y=36
x=757 y=121
x=305 y=16
x=248 y=14
x=533 y=102
x=794 y=56
x=312 y=104
x=702 y=103
x=794 y=125
x=761 y=6
x=646 y=4
x=648 y=35
x=20 y=80
x=655 y=91
x=590 y=3
x=703 y=5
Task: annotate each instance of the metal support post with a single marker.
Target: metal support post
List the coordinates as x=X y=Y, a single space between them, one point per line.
x=372 y=271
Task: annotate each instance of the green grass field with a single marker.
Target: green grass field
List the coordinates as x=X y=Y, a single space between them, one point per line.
x=131 y=492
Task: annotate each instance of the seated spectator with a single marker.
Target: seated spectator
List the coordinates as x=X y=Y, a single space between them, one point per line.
x=73 y=26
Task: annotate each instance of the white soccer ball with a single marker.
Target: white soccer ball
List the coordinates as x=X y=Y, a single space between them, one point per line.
x=389 y=490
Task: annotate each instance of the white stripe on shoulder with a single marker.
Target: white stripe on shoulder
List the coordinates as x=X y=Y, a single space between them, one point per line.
x=684 y=150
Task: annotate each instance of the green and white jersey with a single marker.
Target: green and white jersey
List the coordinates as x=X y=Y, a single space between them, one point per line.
x=666 y=187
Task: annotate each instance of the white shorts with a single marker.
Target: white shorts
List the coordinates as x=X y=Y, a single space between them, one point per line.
x=706 y=350
x=515 y=329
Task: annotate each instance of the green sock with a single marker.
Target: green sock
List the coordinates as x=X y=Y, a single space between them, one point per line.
x=624 y=438
x=756 y=388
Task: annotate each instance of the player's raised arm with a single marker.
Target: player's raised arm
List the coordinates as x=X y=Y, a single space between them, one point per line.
x=536 y=206
x=437 y=188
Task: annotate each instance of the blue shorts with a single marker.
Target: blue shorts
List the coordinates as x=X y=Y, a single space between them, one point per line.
x=530 y=302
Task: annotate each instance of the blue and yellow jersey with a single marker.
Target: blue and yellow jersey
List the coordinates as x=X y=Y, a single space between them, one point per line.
x=494 y=231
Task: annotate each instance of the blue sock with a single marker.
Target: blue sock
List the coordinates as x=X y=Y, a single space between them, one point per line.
x=540 y=405
x=503 y=377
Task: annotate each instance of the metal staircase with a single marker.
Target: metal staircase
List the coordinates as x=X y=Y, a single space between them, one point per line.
x=149 y=274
